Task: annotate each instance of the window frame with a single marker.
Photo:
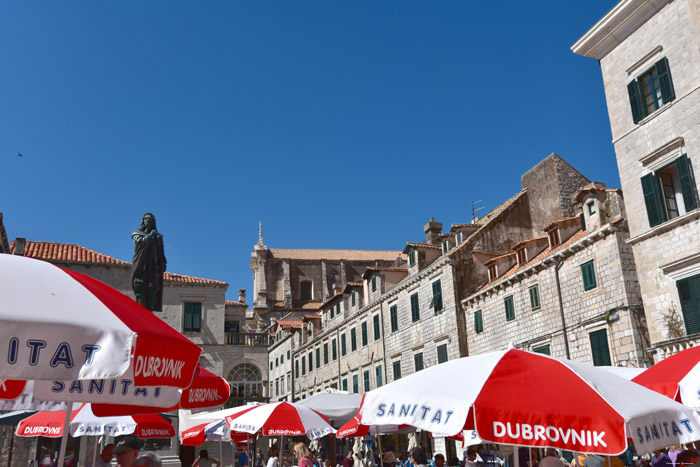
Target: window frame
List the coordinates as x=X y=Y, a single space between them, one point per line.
x=353 y=339
x=655 y=199
x=509 y=303
x=396 y=365
x=535 y=306
x=478 y=321
x=418 y=361
x=663 y=90
x=412 y=258
x=442 y=351
x=436 y=303
x=394 y=317
x=588 y=275
x=378 y=375
x=415 y=307
x=377 y=327
x=364 y=334
x=193 y=313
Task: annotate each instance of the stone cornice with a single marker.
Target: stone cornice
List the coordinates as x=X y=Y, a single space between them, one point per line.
x=617 y=24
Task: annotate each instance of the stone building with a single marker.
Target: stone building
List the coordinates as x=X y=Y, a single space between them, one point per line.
x=649 y=54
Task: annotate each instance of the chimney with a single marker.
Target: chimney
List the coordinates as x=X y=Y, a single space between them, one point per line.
x=20 y=244
x=241 y=295
x=432 y=230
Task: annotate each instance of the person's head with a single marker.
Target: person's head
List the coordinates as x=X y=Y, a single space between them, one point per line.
x=389 y=458
x=127 y=451
x=687 y=457
x=204 y=454
x=439 y=460
x=148 y=460
x=148 y=222
x=349 y=454
x=418 y=456
x=301 y=450
x=658 y=452
x=107 y=453
x=328 y=462
x=259 y=450
x=551 y=452
x=471 y=454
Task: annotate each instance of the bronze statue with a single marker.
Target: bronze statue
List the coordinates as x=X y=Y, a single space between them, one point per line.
x=148 y=265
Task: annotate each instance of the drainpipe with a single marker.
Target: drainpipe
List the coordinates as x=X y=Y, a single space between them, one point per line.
x=381 y=329
x=337 y=354
x=293 y=362
x=558 y=266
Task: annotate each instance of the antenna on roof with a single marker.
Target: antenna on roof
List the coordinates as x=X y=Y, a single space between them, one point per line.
x=475 y=209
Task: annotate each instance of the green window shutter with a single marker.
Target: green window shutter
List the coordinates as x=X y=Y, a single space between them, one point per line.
x=635 y=101
x=303 y=365
x=686 y=180
x=332 y=311
x=396 y=366
x=415 y=311
x=355 y=384
x=418 y=360
x=442 y=353
x=583 y=222
x=599 y=348
x=543 y=350
x=436 y=303
x=588 y=274
x=535 y=297
x=510 y=308
x=353 y=339
x=374 y=284
x=311 y=360
x=335 y=349
x=343 y=346
x=651 y=200
x=345 y=384
x=689 y=295
x=364 y=333
x=478 y=322
x=318 y=358
x=378 y=371
x=394 y=315
x=325 y=353
x=376 y=327
x=665 y=82
x=352 y=297
x=296 y=369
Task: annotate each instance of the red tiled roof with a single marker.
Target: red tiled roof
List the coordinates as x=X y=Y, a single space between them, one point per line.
x=65 y=253
x=388 y=269
x=524 y=242
x=295 y=305
x=335 y=255
x=496 y=258
x=355 y=284
x=290 y=323
x=232 y=303
x=182 y=279
x=561 y=221
x=584 y=190
x=410 y=245
x=312 y=316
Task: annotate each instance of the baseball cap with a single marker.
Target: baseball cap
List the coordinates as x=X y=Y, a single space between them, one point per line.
x=129 y=442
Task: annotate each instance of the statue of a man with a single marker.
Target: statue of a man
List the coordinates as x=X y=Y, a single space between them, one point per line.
x=148 y=265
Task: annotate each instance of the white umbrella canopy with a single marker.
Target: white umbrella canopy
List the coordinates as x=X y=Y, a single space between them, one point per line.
x=339 y=406
x=280 y=418
x=522 y=398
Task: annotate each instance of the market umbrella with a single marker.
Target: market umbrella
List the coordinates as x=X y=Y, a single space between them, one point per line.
x=354 y=429
x=280 y=418
x=339 y=406
x=528 y=399
x=212 y=431
x=677 y=377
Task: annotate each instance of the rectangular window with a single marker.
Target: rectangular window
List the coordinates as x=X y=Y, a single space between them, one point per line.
x=689 y=296
x=318 y=357
x=669 y=192
x=289 y=354
x=374 y=283
x=651 y=90
x=343 y=345
x=478 y=322
x=364 y=333
x=345 y=384
x=418 y=361
x=311 y=360
x=412 y=258
x=378 y=374
x=355 y=384
x=334 y=349
x=599 y=348
x=442 y=353
x=271 y=365
x=296 y=368
x=396 y=368
x=337 y=309
x=543 y=349
x=394 y=315
x=493 y=272
x=436 y=303
x=281 y=359
x=192 y=317
x=553 y=236
x=588 y=275
x=353 y=339
x=306 y=290
x=303 y=365
x=445 y=246
x=534 y=297
x=332 y=311
x=325 y=353
x=591 y=208
x=460 y=238
x=415 y=311
x=375 y=321
x=510 y=308
x=521 y=256
x=365 y=377
x=352 y=298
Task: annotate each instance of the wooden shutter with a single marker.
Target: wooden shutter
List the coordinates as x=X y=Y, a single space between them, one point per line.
x=534 y=297
x=599 y=348
x=442 y=353
x=665 y=82
x=437 y=296
x=651 y=200
x=415 y=311
x=686 y=180
x=376 y=327
x=635 y=101
x=689 y=295
x=510 y=308
x=478 y=322
x=588 y=274
x=583 y=222
x=378 y=371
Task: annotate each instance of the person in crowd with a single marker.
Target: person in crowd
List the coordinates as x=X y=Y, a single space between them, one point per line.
x=418 y=457
x=314 y=459
x=258 y=461
x=660 y=459
x=687 y=457
x=103 y=460
x=127 y=451
x=593 y=460
x=242 y=459
x=454 y=462
x=470 y=460
x=148 y=460
x=204 y=460
x=348 y=461
x=551 y=459
x=388 y=459
x=303 y=455
x=273 y=460
x=439 y=460
x=328 y=462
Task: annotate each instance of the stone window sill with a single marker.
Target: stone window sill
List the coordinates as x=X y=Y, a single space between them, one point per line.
x=666 y=226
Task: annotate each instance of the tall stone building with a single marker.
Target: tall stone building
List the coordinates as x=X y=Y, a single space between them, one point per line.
x=649 y=54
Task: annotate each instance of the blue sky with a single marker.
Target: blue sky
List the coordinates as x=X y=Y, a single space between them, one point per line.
x=338 y=124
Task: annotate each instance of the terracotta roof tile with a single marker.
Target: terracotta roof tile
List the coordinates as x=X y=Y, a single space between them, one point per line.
x=232 y=303
x=496 y=258
x=335 y=255
x=525 y=242
x=290 y=323
x=561 y=221
x=312 y=316
x=355 y=284
x=182 y=279
x=66 y=253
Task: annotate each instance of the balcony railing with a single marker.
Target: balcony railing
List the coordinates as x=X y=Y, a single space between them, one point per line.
x=670 y=347
x=247 y=339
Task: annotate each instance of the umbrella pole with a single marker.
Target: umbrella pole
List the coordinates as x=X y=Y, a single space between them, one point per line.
x=94 y=450
x=12 y=443
x=221 y=450
x=64 y=438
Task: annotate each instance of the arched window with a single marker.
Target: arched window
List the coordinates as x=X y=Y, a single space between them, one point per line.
x=246 y=381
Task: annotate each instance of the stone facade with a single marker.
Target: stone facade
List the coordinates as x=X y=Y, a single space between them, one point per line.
x=629 y=42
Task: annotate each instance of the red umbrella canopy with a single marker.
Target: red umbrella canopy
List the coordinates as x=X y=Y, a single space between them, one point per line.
x=280 y=418
x=355 y=429
x=677 y=377
x=57 y=324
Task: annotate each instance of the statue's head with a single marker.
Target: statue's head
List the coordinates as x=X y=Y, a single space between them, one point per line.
x=148 y=222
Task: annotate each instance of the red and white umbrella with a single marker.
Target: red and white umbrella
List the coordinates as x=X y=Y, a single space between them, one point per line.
x=355 y=429
x=85 y=423
x=211 y=431
x=280 y=418
x=57 y=324
x=677 y=377
x=523 y=398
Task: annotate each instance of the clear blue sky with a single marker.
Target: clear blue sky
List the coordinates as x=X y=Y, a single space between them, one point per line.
x=338 y=124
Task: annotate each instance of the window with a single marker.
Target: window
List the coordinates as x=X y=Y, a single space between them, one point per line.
x=478 y=322
x=418 y=361
x=374 y=283
x=599 y=348
x=553 y=238
x=442 y=353
x=415 y=311
x=669 y=192
x=337 y=309
x=543 y=349
x=343 y=346
x=353 y=339
x=303 y=365
x=378 y=374
x=365 y=377
x=352 y=298
x=364 y=333
x=583 y=222
x=375 y=321
x=510 y=308
x=289 y=354
x=394 y=316
x=325 y=353
x=445 y=246
x=277 y=387
x=281 y=359
x=246 y=381
x=355 y=384
x=396 y=367
x=277 y=362
x=311 y=361
x=332 y=313
x=588 y=274
x=296 y=368
x=192 y=317
x=522 y=257
x=318 y=357
x=306 y=290
x=493 y=272
x=689 y=295
x=345 y=384
x=436 y=303
x=412 y=258
x=534 y=297
x=651 y=90
x=460 y=238
x=591 y=208
x=334 y=349
x=271 y=366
